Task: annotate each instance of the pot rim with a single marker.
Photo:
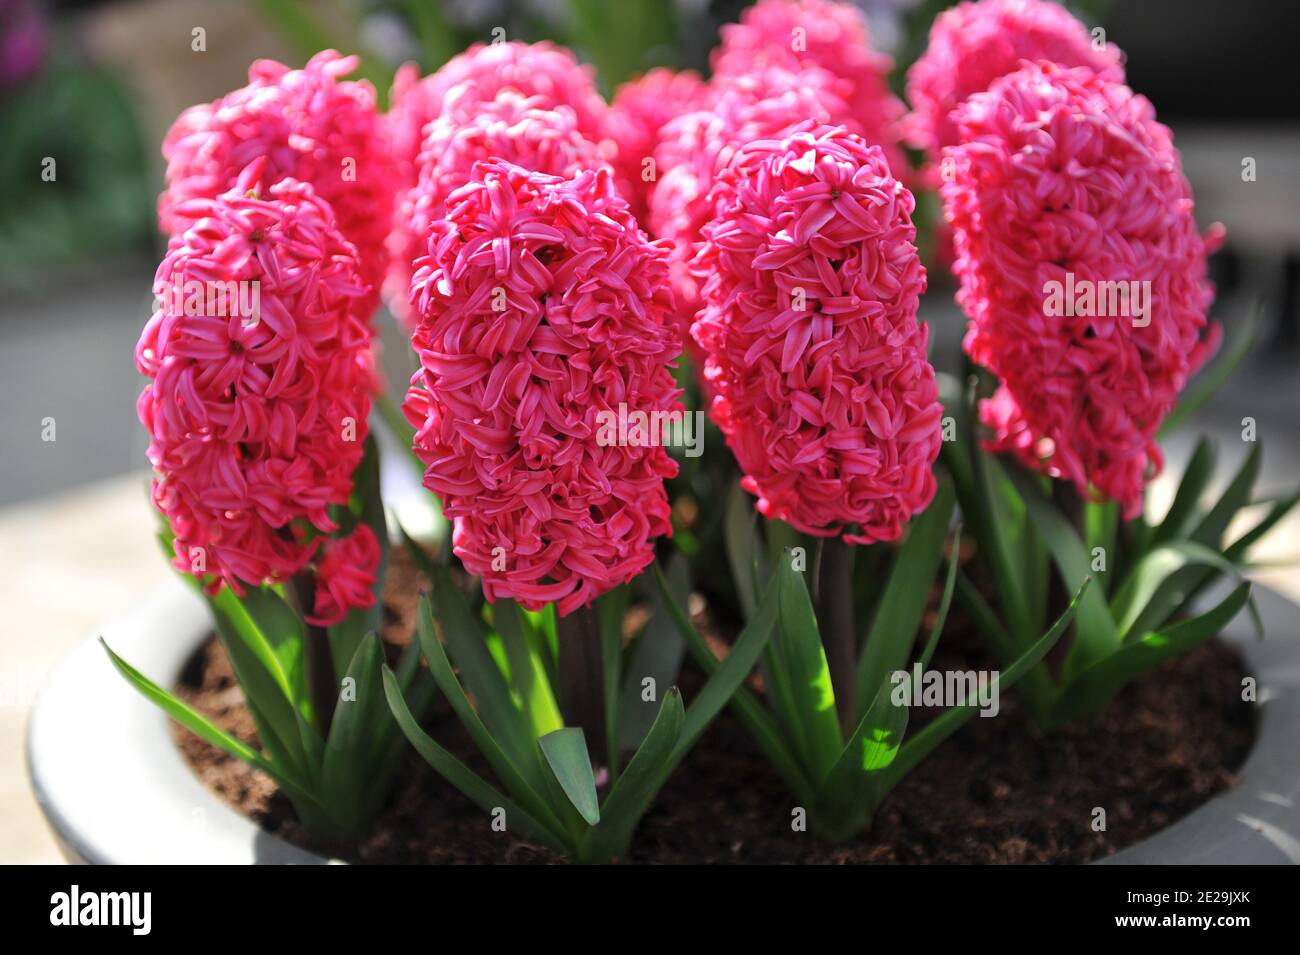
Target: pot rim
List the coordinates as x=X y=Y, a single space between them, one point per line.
x=119 y=790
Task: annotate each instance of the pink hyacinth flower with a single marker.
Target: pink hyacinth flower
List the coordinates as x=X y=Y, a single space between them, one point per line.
x=542 y=307
x=640 y=109
x=972 y=44
x=816 y=360
x=309 y=125
x=544 y=73
x=526 y=131
x=345 y=576
x=1065 y=181
x=695 y=147
x=257 y=403
x=830 y=36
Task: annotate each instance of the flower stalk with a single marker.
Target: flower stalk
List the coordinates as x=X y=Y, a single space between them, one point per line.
x=834 y=603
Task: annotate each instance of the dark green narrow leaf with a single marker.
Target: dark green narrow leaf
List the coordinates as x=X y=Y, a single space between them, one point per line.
x=460 y=776
x=467 y=645
x=898 y=617
x=611 y=609
x=1196 y=478
x=566 y=753
x=1096 y=633
x=739 y=534
x=656 y=654
x=935 y=732
x=521 y=775
x=358 y=716
x=748 y=709
x=639 y=783
x=797 y=650
x=1092 y=689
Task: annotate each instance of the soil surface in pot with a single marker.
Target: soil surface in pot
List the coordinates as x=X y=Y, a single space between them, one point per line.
x=993 y=793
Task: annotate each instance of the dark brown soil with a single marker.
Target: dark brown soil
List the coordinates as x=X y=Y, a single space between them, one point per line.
x=993 y=793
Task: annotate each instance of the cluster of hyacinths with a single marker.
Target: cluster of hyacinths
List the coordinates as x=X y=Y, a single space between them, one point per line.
x=551 y=257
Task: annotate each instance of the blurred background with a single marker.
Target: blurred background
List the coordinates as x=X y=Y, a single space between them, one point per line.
x=93 y=84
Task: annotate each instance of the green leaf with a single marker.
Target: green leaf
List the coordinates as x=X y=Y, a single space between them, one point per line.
x=467 y=645
x=893 y=630
x=797 y=652
x=739 y=527
x=1280 y=508
x=722 y=684
x=358 y=715
x=455 y=772
x=281 y=723
x=1133 y=606
x=938 y=730
x=190 y=718
x=996 y=547
x=1212 y=527
x=527 y=671
x=1096 y=631
x=521 y=775
x=656 y=654
x=367 y=507
x=945 y=600
x=748 y=709
x=1196 y=478
x=1089 y=692
x=611 y=609
x=566 y=753
x=636 y=788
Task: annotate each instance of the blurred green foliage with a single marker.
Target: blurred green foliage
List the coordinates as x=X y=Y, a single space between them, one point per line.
x=101 y=200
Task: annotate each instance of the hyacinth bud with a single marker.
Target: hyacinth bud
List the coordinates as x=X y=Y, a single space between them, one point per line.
x=542 y=309
x=816 y=362
x=306 y=124
x=260 y=377
x=1081 y=270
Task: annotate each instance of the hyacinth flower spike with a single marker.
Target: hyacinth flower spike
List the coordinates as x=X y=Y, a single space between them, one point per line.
x=543 y=309
x=817 y=366
x=1090 y=330
x=268 y=484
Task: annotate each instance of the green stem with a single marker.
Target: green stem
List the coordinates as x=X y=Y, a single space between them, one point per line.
x=835 y=620
x=581 y=677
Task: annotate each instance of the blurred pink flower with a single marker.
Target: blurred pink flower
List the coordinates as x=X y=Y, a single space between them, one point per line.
x=1064 y=180
x=542 y=306
x=309 y=125
x=816 y=361
x=833 y=37
x=345 y=576
x=546 y=74
x=526 y=131
x=695 y=147
x=972 y=44
x=641 y=107
x=256 y=416
x=530 y=69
